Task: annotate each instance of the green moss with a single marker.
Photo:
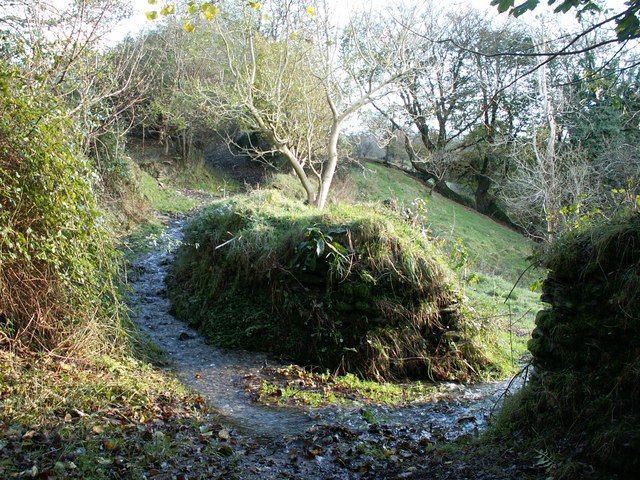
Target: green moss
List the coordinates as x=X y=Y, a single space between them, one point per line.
x=585 y=348
x=197 y=175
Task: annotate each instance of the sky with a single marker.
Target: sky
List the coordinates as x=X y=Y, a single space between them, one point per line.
x=138 y=21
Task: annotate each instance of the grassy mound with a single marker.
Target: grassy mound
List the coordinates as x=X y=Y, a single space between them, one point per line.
x=585 y=395
x=350 y=288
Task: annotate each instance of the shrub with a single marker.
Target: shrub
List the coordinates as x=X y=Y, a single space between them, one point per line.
x=55 y=257
x=585 y=394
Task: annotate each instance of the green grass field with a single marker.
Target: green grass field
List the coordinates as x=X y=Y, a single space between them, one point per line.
x=492 y=247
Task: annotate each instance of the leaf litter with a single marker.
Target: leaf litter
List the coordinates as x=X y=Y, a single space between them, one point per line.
x=222 y=432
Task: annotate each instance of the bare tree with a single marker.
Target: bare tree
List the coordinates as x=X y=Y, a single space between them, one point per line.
x=549 y=174
x=294 y=77
x=58 y=47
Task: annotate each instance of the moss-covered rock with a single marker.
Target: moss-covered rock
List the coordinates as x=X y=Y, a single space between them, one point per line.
x=351 y=287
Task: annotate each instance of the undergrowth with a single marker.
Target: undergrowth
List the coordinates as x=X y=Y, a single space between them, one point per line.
x=102 y=418
x=293 y=385
x=57 y=261
x=73 y=402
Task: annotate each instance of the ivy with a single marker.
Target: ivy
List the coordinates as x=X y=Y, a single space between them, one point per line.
x=627 y=22
x=55 y=246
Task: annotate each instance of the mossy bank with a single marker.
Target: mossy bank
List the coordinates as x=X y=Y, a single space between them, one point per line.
x=352 y=288
x=584 y=398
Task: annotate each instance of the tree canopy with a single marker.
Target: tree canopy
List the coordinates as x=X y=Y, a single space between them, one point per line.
x=627 y=20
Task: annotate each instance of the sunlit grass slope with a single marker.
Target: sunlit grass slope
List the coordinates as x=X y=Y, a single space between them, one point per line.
x=492 y=247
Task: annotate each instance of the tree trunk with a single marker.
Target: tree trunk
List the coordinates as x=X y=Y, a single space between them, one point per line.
x=330 y=167
x=300 y=173
x=483 y=199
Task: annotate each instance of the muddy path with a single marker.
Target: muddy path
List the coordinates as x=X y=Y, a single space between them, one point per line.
x=292 y=442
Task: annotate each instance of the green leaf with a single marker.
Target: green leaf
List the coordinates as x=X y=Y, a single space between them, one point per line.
x=525 y=7
x=152 y=15
x=151 y=2
x=628 y=26
x=503 y=5
x=192 y=8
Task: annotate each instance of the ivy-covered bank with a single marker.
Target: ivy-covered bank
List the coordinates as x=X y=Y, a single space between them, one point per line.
x=56 y=252
x=351 y=288
x=584 y=398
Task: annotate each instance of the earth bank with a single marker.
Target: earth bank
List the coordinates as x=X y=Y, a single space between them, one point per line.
x=350 y=289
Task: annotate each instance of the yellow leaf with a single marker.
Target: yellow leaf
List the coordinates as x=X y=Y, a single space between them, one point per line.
x=168 y=10
x=97 y=429
x=189 y=27
x=151 y=15
x=310 y=11
x=151 y=2
x=255 y=5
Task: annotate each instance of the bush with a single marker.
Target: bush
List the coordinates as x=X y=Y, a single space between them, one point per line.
x=349 y=288
x=55 y=257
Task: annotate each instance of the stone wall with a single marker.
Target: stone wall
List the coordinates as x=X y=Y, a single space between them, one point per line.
x=585 y=391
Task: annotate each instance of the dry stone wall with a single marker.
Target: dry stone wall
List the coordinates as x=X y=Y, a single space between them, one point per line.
x=586 y=346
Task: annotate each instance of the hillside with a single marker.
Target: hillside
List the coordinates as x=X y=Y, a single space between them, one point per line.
x=228 y=246
x=493 y=248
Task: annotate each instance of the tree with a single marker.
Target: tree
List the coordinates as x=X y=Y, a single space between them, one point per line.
x=59 y=50
x=268 y=88
x=550 y=175
x=459 y=102
x=627 y=20
x=294 y=78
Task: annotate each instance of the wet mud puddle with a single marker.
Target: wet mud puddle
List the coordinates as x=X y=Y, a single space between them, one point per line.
x=320 y=434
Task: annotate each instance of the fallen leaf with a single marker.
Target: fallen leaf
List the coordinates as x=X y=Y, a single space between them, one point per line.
x=225 y=450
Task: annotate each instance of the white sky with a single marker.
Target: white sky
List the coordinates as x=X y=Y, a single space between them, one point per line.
x=138 y=20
